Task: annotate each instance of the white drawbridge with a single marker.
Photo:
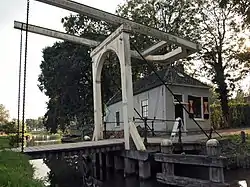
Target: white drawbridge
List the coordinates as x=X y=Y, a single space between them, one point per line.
x=118 y=42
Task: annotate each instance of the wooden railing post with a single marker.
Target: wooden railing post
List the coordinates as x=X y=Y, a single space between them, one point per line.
x=216 y=174
x=145 y=131
x=167 y=148
x=153 y=128
x=105 y=130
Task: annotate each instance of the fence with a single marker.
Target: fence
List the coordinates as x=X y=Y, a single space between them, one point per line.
x=212 y=163
x=146 y=128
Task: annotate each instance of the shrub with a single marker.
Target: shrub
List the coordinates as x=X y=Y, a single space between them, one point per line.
x=239 y=113
x=16 y=171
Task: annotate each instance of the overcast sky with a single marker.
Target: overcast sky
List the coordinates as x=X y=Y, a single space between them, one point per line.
x=42 y=15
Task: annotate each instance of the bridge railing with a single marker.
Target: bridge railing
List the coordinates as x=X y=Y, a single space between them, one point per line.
x=147 y=127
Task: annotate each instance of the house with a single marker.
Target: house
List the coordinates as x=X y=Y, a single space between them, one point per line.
x=154 y=101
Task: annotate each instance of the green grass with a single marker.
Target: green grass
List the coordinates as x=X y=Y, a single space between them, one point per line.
x=235 y=147
x=4 y=142
x=16 y=171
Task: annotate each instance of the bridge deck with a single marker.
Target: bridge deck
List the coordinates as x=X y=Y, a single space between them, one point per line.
x=119 y=143
x=72 y=146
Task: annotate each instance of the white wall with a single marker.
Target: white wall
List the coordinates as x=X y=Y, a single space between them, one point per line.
x=156 y=108
x=161 y=106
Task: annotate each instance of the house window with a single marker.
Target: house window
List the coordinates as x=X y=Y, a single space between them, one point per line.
x=179 y=97
x=144 y=108
x=195 y=106
x=117 y=119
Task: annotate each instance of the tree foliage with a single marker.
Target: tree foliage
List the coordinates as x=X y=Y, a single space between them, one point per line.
x=4 y=114
x=33 y=124
x=66 y=76
x=240 y=6
x=222 y=44
x=8 y=127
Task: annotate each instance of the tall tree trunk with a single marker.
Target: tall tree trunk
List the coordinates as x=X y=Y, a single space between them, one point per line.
x=222 y=91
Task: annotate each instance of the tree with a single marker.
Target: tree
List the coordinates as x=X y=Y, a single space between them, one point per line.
x=9 y=127
x=240 y=6
x=66 y=80
x=4 y=114
x=34 y=123
x=66 y=76
x=66 y=69
x=222 y=46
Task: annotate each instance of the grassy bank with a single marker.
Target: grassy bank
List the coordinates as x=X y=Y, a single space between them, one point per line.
x=233 y=145
x=4 y=142
x=16 y=171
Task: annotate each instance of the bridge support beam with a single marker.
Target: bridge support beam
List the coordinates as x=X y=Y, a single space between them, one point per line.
x=129 y=166
x=118 y=163
x=119 y=43
x=144 y=169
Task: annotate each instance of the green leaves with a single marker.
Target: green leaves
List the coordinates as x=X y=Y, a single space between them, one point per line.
x=4 y=114
x=16 y=171
x=66 y=76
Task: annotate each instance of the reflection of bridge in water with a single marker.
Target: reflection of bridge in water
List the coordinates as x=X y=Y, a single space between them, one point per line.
x=96 y=160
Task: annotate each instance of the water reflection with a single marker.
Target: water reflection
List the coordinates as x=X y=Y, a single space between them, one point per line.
x=61 y=174
x=37 y=140
x=238 y=177
x=41 y=170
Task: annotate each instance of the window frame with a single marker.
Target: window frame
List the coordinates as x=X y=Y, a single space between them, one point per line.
x=117 y=123
x=144 y=106
x=182 y=99
x=201 y=105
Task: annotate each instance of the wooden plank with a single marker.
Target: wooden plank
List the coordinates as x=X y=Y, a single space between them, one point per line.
x=200 y=160
x=55 y=34
x=110 y=38
x=186 y=181
x=62 y=36
x=171 y=56
x=119 y=144
x=168 y=57
x=136 y=155
x=117 y=20
x=154 y=48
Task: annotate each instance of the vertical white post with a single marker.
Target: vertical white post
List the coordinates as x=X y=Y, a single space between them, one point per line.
x=98 y=132
x=127 y=86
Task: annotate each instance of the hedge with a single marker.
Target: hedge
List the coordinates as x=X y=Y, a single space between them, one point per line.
x=239 y=114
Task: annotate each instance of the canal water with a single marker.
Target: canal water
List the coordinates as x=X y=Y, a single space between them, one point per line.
x=236 y=178
x=62 y=176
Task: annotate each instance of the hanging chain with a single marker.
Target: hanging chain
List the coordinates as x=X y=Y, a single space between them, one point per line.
x=24 y=75
x=19 y=86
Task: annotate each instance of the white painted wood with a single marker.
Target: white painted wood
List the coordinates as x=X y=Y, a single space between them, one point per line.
x=98 y=131
x=154 y=48
x=110 y=38
x=62 y=36
x=55 y=34
x=69 y=146
x=121 y=46
x=175 y=129
x=136 y=137
x=127 y=85
x=116 y=20
x=168 y=57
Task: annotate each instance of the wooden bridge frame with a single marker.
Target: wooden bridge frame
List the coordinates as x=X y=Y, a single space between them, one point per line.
x=117 y=42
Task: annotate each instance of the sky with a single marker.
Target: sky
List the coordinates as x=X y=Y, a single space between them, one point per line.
x=42 y=15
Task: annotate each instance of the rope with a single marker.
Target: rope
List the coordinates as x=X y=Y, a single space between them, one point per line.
x=24 y=75
x=153 y=69
x=19 y=86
